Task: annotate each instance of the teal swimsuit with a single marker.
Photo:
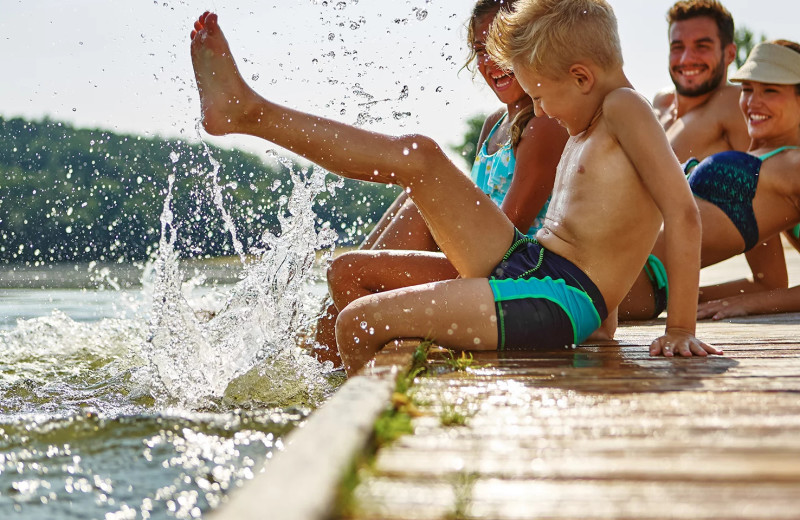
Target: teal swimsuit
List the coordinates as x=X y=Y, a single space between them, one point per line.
x=492 y=173
x=729 y=181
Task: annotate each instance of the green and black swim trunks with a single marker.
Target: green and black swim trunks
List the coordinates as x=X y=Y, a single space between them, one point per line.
x=542 y=299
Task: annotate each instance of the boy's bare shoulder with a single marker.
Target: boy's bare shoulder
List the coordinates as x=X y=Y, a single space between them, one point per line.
x=625 y=102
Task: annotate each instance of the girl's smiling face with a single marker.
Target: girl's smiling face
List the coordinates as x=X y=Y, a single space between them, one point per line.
x=770 y=110
x=503 y=83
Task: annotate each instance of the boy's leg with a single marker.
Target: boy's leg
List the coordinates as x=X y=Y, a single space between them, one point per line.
x=472 y=231
x=361 y=273
x=455 y=313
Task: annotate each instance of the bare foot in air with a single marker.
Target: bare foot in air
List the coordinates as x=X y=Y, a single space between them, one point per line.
x=228 y=105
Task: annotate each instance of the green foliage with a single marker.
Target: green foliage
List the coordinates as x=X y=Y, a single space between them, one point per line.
x=467 y=148
x=391 y=425
x=745 y=41
x=451 y=415
x=460 y=363
x=69 y=194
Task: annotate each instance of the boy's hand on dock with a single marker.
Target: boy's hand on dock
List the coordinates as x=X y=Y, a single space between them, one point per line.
x=681 y=342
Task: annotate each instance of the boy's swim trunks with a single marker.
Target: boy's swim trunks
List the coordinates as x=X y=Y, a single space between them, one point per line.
x=542 y=299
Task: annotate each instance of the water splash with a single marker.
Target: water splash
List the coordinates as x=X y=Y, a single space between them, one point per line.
x=247 y=351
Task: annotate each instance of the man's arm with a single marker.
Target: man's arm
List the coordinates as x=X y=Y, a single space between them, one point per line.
x=733 y=122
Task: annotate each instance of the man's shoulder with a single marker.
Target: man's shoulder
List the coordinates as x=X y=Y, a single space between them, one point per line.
x=726 y=96
x=664 y=98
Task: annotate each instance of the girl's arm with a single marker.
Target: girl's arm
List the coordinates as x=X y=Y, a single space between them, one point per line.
x=537 y=156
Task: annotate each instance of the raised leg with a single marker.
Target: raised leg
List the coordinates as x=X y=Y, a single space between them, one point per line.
x=467 y=226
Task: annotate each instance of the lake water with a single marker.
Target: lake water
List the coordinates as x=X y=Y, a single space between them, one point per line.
x=95 y=424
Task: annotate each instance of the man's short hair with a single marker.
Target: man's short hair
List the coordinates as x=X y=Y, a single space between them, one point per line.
x=688 y=9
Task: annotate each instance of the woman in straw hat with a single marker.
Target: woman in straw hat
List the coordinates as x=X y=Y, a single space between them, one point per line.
x=745 y=198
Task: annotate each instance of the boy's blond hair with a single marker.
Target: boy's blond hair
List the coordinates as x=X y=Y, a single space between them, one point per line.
x=552 y=35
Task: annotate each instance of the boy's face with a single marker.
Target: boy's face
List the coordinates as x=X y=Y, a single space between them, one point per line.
x=553 y=98
x=697 y=61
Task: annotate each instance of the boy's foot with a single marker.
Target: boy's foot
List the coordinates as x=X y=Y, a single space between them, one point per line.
x=225 y=99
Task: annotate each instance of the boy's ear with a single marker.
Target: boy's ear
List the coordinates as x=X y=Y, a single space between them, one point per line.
x=582 y=76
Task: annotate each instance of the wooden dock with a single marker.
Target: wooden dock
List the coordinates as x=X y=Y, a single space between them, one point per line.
x=605 y=432
x=593 y=432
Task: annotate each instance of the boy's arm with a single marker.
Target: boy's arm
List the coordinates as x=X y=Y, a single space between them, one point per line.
x=642 y=138
x=769 y=272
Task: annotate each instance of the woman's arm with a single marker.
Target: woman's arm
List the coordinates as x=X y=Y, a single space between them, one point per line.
x=764 y=302
x=768 y=266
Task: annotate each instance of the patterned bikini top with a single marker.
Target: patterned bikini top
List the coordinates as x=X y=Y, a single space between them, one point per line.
x=729 y=180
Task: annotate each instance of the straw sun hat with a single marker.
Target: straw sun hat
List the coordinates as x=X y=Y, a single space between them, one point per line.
x=770 y=63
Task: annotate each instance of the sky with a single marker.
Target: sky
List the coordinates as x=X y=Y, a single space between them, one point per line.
x=389 y=65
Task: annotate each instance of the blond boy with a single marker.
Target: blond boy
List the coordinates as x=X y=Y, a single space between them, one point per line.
x=616 y=181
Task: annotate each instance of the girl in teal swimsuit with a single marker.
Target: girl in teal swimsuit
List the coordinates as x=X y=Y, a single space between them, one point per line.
x=515 y=166
x=493 y=173
x=749 y=197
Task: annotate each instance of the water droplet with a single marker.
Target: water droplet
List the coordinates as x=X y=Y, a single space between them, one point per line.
x=363 y=325
x=255 y=77
x=331 y=36
x=339 y=6
x=174 y=156
x=422 y=14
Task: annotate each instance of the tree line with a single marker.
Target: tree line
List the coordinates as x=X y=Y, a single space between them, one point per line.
x=72 y=194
